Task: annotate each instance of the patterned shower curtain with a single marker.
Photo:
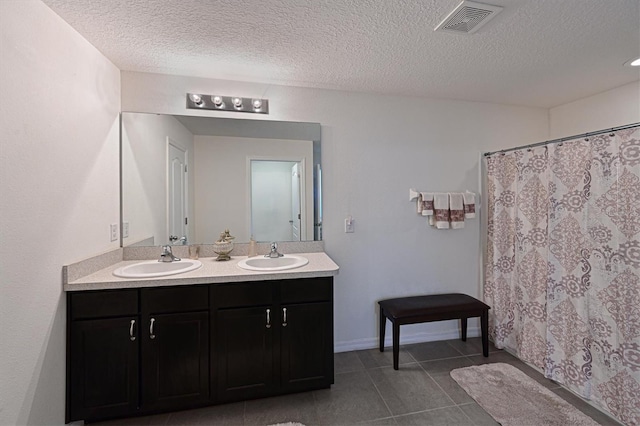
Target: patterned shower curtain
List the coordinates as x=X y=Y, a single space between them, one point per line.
x=563 y=264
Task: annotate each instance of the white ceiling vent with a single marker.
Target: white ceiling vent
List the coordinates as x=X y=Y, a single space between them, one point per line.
x=468 y=17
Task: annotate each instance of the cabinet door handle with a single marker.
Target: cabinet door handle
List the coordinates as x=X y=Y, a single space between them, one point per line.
x=151 y=335
x=131 y=330
x=268 y=318
x=284 y=317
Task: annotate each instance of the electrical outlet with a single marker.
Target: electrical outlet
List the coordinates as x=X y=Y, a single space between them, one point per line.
x=125 y=229
x=114 y=231
x=348 y=225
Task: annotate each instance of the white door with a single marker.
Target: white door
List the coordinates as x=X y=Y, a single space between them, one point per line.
x=295 y=203
x=271 y=204
x=177 y=194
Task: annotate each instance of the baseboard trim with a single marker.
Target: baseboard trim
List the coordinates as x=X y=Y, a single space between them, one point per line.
x=372 y=342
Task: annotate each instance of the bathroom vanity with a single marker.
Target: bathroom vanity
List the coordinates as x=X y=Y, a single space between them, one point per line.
x=215 y=335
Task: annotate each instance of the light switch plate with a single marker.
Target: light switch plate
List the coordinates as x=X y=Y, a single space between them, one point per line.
x=348 y=225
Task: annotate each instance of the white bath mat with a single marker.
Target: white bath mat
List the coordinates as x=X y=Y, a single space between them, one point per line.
x=514 y=399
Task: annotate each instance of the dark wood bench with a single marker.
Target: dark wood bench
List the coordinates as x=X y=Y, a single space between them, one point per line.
x=435 y=307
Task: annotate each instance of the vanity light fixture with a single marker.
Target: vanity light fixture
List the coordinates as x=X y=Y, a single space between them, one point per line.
x=227 y=103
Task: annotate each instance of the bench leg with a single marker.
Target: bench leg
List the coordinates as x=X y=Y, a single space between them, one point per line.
x=484 y=326
x=396 y=344
x=463 y=329
x=383 y=325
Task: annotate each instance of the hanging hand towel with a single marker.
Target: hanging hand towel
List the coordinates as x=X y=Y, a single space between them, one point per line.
x=456 y=210
x=469 y=205
x=419 y=203
x=441 y=209
x=427 y=203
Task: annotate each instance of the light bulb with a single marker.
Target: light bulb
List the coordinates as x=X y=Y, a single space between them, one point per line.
x=257 y=103
x=217 y=100
x=237 y=102
x=196 y=99
x=633 y=62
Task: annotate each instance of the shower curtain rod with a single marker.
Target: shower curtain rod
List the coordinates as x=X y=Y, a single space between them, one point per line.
x=581 y=135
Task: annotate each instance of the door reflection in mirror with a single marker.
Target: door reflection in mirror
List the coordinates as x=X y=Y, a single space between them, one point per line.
x=277 y=186
x=177 y=193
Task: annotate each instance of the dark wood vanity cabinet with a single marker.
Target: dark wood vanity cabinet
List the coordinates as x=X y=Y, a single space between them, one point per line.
x=175 y=347
x=272 y=337
x=104 y=369
x=103 y=348
x=306 y=347
x=306 y=335
x=141 y=351
x=133 y=351
x=243 y=354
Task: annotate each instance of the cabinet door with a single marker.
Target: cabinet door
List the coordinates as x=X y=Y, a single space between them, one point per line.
x=244 y=352
x=306 y=346
x=104 y=368
x=175 y=360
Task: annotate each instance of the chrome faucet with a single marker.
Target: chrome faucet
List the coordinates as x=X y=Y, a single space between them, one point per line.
x=274 y=251
x=173 y=239
x=167 y=255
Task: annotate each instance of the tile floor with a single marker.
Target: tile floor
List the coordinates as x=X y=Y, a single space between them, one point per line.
x=367 y=391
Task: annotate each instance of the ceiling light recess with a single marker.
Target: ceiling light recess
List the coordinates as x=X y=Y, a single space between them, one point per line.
x=468 y=17
x=227 y=103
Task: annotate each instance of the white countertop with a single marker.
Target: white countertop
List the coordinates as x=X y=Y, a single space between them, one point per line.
x=212 y=271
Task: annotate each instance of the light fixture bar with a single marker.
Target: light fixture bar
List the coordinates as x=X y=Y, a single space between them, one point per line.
x=227 y=103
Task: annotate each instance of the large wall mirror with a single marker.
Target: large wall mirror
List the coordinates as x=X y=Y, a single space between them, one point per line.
x=186 y=179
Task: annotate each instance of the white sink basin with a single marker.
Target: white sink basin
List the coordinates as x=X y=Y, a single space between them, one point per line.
x=261 y=263
x=153 y=268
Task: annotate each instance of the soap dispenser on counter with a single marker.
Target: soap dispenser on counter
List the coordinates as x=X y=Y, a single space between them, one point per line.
x=253 y=248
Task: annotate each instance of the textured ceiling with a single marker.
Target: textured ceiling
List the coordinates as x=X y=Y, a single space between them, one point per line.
x=535 y=52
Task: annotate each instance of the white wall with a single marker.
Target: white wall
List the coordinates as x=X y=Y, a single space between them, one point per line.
x=616 y=107
x=59 y=104
x=144 y=175
x=222 y=187
x=374 y=148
